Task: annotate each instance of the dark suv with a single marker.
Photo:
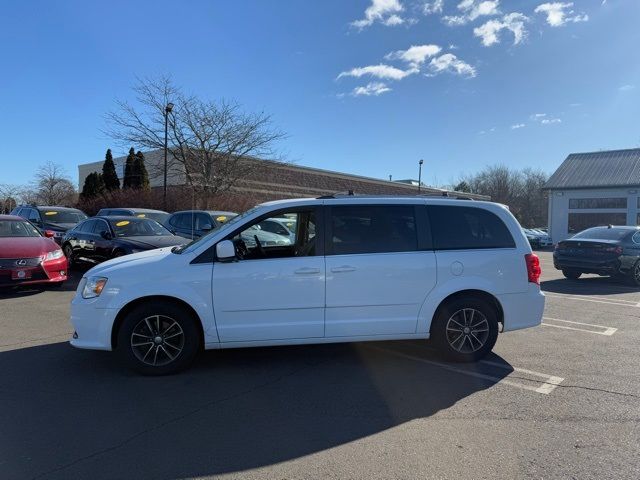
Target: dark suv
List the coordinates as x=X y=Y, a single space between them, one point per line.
x=56 y=219
x=196 y=223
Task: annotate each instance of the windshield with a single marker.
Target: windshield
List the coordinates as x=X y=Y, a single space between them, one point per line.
x=17 y=228
x=604 y=233
x=189 y=247
x=138 y=227
x=62 y=216
x=159 y=217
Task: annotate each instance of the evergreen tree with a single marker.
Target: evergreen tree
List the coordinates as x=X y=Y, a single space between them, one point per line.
x=93 y=185
x=142 y=176
x=129 y=180
x=109 y=175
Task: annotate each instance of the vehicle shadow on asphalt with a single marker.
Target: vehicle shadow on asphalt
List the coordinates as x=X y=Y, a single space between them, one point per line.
x=69 y=413
x=588 y=286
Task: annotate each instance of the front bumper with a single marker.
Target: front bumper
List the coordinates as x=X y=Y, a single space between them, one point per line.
x=53 y=271
x=92 y=325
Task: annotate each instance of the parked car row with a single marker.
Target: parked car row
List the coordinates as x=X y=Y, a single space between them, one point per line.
x=538 y=238
x=115 y=232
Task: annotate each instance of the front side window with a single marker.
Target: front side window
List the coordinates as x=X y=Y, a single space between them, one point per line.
x=254 y=243
x=373 y=229
x=465 y=228
x=17 y=228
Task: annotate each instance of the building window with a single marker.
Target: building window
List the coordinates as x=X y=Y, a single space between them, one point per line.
x=582 y=221
x=584 y=203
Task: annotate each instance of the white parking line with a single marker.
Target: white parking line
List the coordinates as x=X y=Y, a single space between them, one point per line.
x=608 y=331
x=619 y=302
x=547 y=386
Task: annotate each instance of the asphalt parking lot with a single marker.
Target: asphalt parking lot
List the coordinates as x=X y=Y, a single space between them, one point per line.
x=558 y=401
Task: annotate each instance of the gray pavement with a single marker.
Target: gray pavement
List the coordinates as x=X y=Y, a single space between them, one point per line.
x=558 y=401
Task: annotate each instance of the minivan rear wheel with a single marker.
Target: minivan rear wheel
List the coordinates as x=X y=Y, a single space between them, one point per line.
x=465 y=329
x=158 y=339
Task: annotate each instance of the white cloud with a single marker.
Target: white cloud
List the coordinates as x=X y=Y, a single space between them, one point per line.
x=471 y=10
x=383 y=11
x=436 y=6
x=371 y=89
x=385 y=72
x=514 y=22
x=451 y=64
x=415 y=55
x=626 y=88
x=517 y=126
x=558 y=13
x=545 y=119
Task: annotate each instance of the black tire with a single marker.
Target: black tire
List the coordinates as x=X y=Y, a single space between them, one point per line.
x=118 y=253
x=68 y=252
x=571 y=274
x=476 y=344
x=634 y=275
x=142 y=322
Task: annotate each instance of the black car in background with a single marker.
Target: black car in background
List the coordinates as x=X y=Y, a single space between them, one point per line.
x=56 y=219
x=612 y=250
x=102 y=238
x=193 y=224
x=157 y=215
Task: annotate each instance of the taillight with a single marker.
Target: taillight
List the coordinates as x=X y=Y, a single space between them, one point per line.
x=533 y=267
x=616 y=250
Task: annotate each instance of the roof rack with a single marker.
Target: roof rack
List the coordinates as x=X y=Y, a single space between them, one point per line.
x=349 y=193
x=444 y=194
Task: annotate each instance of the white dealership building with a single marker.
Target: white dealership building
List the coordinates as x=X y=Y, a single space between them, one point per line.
x=595 y=188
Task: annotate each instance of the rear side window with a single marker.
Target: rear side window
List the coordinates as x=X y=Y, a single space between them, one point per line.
x=464 y=228
x=181 y=220
x=373 y=229
x=86 y=227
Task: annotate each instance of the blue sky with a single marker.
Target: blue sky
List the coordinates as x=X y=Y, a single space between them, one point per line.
x=566 y=75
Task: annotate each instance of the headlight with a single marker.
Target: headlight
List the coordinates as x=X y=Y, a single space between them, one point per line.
x=93 y=287
x=54 y=255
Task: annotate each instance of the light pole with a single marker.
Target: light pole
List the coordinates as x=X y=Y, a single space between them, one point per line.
x=167 y=111
x=420 y=174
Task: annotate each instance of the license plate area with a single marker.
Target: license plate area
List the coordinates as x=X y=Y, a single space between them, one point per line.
x=20 y=274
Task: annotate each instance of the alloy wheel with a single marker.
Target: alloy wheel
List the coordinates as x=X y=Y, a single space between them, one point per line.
x=157 y=340
x=467 y=330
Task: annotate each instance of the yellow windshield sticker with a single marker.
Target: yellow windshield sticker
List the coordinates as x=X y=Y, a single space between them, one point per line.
x=50 y=213
x=140 y=215
x=122 y=223
x=221 y=218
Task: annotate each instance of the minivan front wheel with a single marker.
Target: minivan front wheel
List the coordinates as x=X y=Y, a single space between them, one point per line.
x=465 y=329
x=158 y=339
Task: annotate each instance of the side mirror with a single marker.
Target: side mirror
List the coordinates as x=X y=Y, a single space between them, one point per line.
x=207 y=227
x=49 y=233
x=106 y=235
x=225 y=250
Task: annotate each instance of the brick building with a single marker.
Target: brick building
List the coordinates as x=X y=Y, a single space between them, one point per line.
x=268 y=180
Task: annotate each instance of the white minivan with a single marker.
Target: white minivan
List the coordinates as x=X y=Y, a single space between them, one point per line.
x=361 y=268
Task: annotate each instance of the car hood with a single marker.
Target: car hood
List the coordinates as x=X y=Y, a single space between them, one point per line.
x=25 y=247
x=118 y=264
x=154 y=241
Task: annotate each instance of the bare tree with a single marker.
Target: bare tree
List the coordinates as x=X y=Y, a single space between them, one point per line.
x=10 y=195
x=521 y=190
x=51 y=186
x=210 y=142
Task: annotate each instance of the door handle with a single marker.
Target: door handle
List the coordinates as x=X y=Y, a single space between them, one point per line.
x=307 y=271
x=343 y=268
